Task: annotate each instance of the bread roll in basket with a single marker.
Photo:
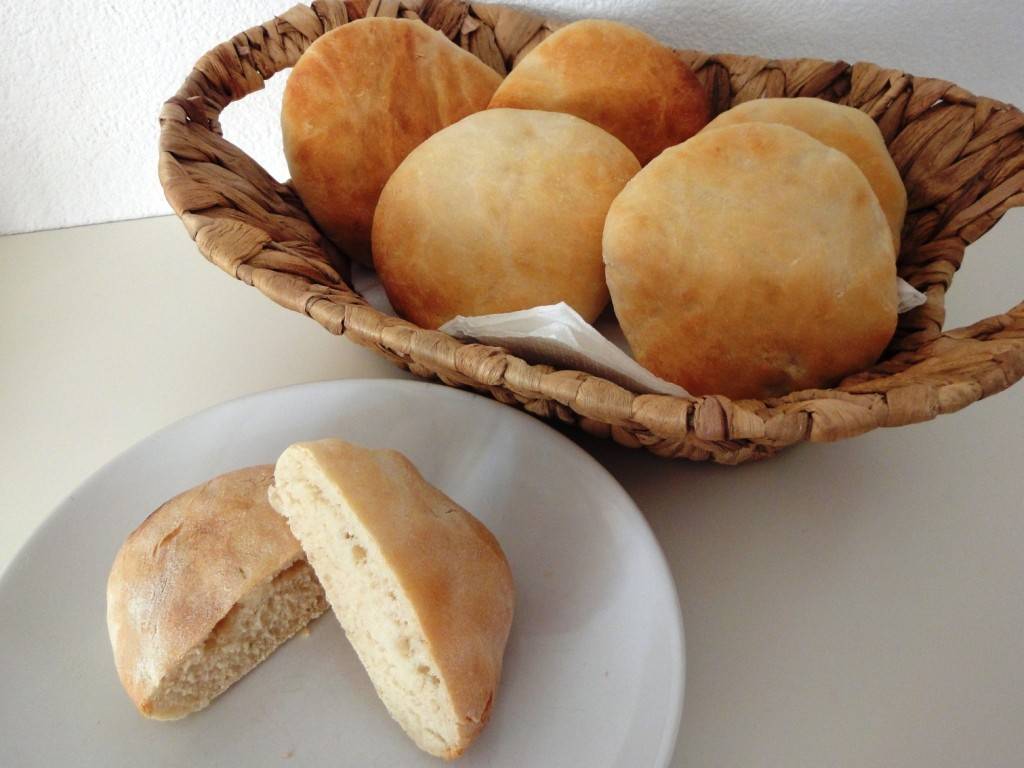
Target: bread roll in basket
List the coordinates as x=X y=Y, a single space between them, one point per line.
x=961 y=158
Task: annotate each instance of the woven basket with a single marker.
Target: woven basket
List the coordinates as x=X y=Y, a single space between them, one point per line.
x=961 y=157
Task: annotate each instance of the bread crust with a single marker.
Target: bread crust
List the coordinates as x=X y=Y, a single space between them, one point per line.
x=357 y=102
x=616 y=77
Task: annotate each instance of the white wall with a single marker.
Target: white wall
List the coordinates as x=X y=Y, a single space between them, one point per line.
x=81 y=83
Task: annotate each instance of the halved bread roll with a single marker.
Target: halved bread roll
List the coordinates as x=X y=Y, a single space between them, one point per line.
x=204 y=590
x=420 y=586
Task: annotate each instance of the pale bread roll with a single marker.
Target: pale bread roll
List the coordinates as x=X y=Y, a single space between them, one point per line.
x=420 y=586
x=500 y=212
x=751 y=261
x=358 y=101
x=614 y=76
x=844 y=128
x=205 y=589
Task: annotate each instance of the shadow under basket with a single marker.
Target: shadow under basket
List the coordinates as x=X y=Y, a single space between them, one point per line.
x=961 y=157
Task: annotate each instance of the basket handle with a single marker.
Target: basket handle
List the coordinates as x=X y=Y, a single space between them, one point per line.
x=223 y=196
x=959 y=366
x=242 y=65
x=243 y=220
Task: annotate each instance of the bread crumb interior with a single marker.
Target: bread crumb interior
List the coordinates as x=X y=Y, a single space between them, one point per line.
x=254 y=627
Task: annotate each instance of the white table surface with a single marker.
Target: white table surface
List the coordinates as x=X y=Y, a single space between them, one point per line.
x=857 y=604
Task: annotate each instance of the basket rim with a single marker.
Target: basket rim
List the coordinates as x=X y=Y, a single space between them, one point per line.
x=306 y=274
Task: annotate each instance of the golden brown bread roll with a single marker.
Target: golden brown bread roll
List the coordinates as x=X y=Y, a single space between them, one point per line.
x=359 y=100
x=614 y=76
x=847 y=129
x=750 y=261
x=500 y=212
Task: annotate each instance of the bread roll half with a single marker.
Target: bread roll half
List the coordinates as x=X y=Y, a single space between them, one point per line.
x=204 y=590
x=420 y=586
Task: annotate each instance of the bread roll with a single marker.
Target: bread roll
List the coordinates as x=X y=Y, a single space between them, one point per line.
x=614 y=76
x=204 y=590
x=420 y=586
x=750 y=261
x=847 y=129
x=500 y=212
x=358 y=101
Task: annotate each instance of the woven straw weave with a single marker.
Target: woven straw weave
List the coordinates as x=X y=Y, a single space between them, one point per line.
x=961 y=157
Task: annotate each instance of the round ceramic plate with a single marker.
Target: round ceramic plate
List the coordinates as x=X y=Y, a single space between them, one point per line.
x=593 y=671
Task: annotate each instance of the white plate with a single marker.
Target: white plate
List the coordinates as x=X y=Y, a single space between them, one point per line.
x=594 y=667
